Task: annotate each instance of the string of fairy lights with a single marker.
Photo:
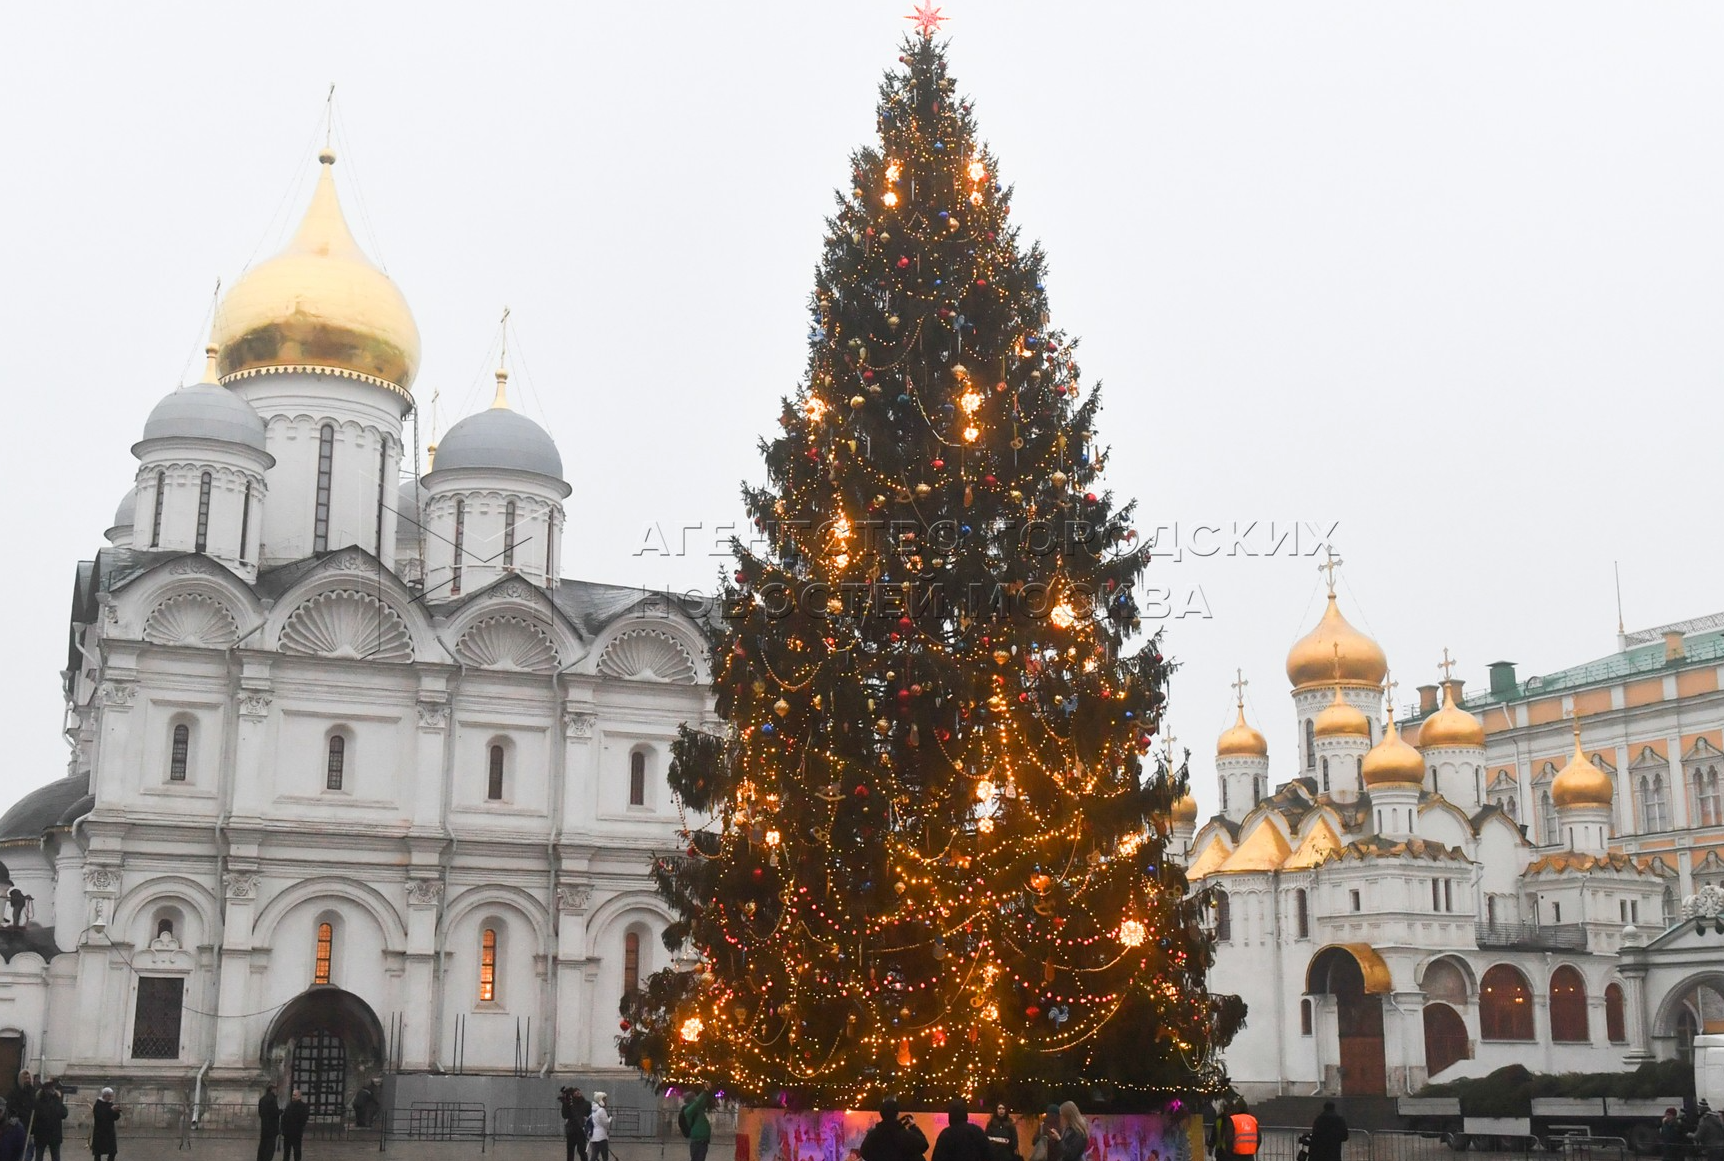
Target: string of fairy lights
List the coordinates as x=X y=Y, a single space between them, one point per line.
x=938 y=845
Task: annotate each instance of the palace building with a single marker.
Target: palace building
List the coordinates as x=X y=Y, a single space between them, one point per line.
x=359 y=779
x=1507 y=876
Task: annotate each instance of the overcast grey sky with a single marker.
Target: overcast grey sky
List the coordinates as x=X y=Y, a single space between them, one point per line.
x=1449 y=274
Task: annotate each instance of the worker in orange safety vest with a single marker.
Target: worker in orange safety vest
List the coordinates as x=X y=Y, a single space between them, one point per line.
x=1235 y=1133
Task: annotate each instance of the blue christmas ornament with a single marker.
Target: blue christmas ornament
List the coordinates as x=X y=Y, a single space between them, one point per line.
x=1129 y=715
x=767 y=728
x=964 y=528
x=944 y=214
x=903 y=399
x=939 y=147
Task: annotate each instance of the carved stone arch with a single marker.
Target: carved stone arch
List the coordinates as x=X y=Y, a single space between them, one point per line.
x=195 y=620
x=367 y=897
x=619 y=906
x=649 y=653
x=510 y=642
x=161 y=888
x=496 y=898
x=347 y=624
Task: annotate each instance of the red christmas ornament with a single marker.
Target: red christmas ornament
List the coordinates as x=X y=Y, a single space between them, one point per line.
x=903 y=263
x=1089 y=497
x=981 y=282
x=904 y=695
x=623 y=1024
x=906 y=624
x=990 y=481
x=861 y=792
x=1032 y=1012
x=758 y=874
x=938 y=464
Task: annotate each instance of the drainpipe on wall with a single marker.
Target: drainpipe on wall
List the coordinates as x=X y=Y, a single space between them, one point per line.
x=198 y=1094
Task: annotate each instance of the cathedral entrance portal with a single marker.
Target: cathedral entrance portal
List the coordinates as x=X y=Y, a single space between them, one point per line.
x=1357 y=977
x=326 y=1043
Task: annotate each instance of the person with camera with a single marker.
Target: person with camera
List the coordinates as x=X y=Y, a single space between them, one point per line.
x=693 y=1122
x=895 y=1137
x=105 y=1127
x=576 y=1109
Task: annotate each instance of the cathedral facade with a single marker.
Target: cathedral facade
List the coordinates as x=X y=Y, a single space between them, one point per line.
x=1504 y=877
x=359 y=780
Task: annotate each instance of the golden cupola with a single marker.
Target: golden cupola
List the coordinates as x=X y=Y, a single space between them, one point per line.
x=1451 y=726
x=1392 y=762
x=1313 y=659
x=1340 y=720
x=1185 y=810
x=1580 y=783
x=319 y=305
x=1241 y=741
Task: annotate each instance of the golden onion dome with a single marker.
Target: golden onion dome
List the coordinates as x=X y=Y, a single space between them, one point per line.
x=1340 y=720
x=1392 y=762
x=1313 y=659
x=319 y=305
x=1185 y=810
x=1451 y=726
x=1241 y=741
x=1580 y=783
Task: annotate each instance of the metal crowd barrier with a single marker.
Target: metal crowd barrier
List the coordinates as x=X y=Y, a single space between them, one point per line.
x=1579 y=1148
x=1281 y=1143
x=436 y=1121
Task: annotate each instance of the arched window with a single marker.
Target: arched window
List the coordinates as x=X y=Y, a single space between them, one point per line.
x=637 y=778
x=325 y=474
x=1505 y=1005
x=335 y=768
x=1568 y=1006
x=1445 y=1037
x=1224 y=796
x=494 y=785
x=245 y=523
x=631 y=963
x=1304 y=1017
x=1325 y=776
x=203 y=539
x=1310 y=745
x=1547 y=828
x=550 y=547
x=1669 y=907
x=164 y=926
x=1302 y=914
x=509 y=535
x=382 y=492
x=161 y=498
x=488 y=965
x=1615 y=1015
x=325 y=953
x=179 y=753
x=460 y=542
x=1223 y=917
x=1654 y=803
x=1708 y=802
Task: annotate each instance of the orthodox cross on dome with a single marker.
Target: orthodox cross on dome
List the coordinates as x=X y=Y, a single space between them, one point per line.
x=1389 y=687
x=1239 y=684
x=1447 y=665
x=927 y=19
x=1328 y=568
x=1167 y=740
x=502 y=399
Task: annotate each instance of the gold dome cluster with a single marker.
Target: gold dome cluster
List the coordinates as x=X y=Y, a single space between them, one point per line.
x=1392 y=761
x=1313 y=659
x=319 y=305
x=1451 y=726
x=1580 y=783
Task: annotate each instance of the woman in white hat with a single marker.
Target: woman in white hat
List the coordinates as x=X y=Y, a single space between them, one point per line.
x=601 y=1136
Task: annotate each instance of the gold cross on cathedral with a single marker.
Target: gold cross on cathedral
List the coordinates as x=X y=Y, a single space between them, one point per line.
x=1239 y=684
x=1447 y=665
x=1328 y=568
x=1389 y=687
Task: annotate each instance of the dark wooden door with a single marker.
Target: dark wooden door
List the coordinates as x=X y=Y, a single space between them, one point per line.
x=320 y=1073
x=1445 y=1038
x=1363 y=1062
x=11 y=1058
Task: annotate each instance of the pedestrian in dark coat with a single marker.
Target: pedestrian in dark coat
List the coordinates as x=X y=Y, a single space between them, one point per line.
x=1328 y=1132
x=576 y=1109
x=12 y=1138
x=893 y=1138
x=293 y=1121
x=960 y=1140
x=268 y=1123
x=1671 y=1137
x=1002 y=1135
x=21 y=1103
x=1074 y=1133
x=105 y=1126
x=51 y=1113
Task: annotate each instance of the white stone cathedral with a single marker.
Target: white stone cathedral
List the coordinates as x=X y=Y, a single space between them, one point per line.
x=359 y=780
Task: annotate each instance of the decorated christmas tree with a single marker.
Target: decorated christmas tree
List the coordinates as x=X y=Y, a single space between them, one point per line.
x=936 y=864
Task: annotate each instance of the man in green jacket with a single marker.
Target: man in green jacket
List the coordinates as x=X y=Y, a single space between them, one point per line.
x=694 y=1123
